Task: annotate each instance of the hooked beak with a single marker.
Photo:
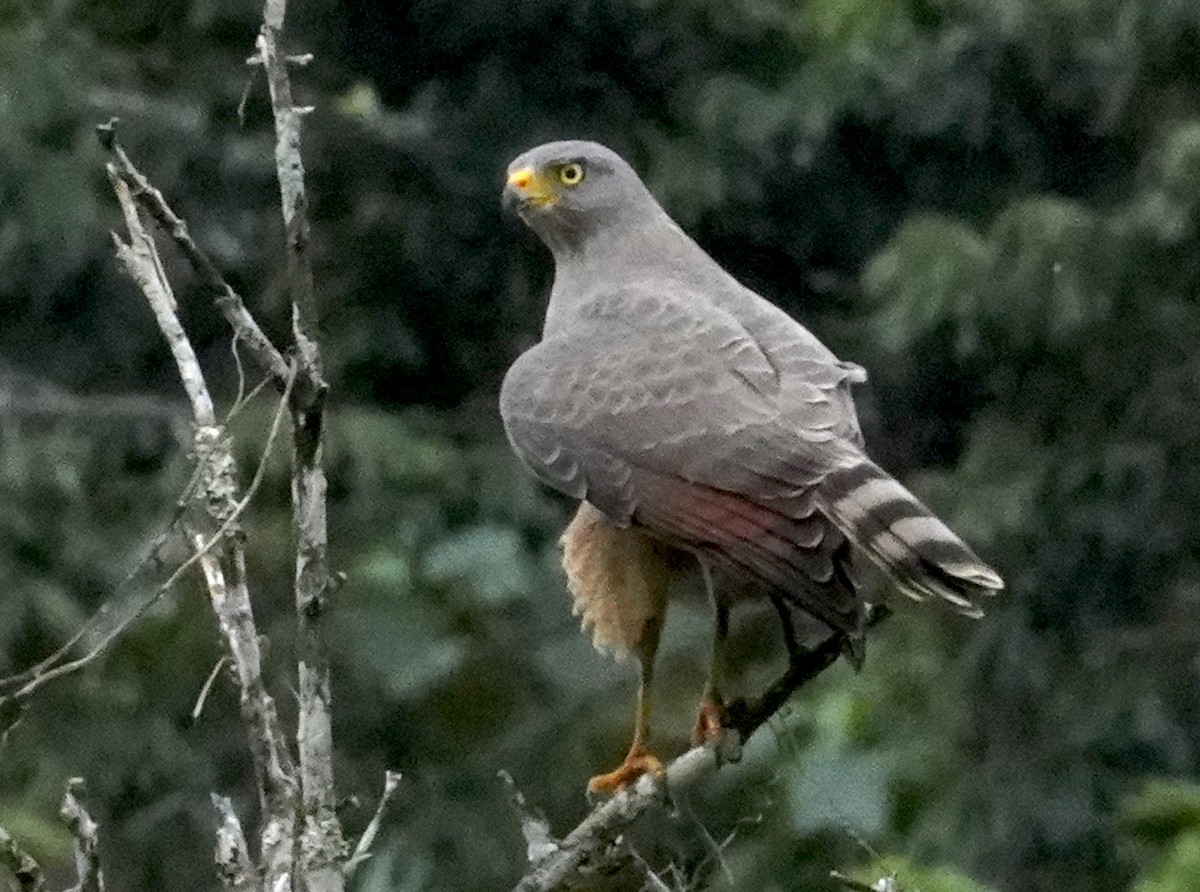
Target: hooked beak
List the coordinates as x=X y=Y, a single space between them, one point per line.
x=526 y=188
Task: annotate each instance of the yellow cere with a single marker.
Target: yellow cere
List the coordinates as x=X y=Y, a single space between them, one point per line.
x=521 y=178
x=536 y=188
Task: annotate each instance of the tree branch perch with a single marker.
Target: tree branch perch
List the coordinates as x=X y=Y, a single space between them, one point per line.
x=592 y=844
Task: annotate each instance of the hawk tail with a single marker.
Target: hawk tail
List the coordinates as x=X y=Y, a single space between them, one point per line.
x=917 y=551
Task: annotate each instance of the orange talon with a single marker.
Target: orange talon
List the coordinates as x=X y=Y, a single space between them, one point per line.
x=639 y=761
x=710 y=722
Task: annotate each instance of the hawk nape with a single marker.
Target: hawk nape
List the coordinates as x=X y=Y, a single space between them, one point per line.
x=688 y=413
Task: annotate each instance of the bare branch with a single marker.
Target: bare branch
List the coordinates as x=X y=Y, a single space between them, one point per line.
x=362 y=851
x=289 y=167
x=298 y=59
x=883 y=884
x=24 y=869
x=234 y=866
x=205 y=444
x=206 y=688
x=593 y=843
x=746 y=716
x=268 y=747
x=141 y=261
x=539 y=842
x=321 y=844
x=228 y=301
x=87 y=844
x=212 y=527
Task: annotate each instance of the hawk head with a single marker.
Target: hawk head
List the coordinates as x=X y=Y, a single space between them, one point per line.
x=569 y=191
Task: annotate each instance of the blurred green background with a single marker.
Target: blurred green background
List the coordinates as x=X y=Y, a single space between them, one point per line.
x=992 y=206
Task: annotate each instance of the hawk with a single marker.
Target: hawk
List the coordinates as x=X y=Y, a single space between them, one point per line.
x=689 y=414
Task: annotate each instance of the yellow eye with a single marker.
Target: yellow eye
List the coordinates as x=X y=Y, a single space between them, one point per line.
x=571 y=174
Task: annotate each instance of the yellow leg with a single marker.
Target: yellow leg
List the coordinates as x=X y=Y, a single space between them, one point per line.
x=710 y=721
x=639 y=760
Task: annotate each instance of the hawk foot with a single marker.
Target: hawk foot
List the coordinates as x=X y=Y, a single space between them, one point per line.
x=710 y=722
x=639 y=761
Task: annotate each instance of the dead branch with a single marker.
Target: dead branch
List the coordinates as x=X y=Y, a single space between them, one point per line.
x=87 y=844
x=107 y=623
x=322 y=846
x=232 y=855
x=300 y=838
x=883 y=884
x=539 y=842
x=594 y=843
x=141 y=261
x=211 y=525
x=362 y=851
x=229 y=302
x=24 y=869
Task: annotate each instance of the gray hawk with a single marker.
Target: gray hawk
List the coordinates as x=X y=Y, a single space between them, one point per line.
x=689 y=414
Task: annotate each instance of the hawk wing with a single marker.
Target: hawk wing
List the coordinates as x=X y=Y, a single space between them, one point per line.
x=663 y=411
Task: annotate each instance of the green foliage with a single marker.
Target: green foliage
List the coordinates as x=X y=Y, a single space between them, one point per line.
x=910 y=877
x=1163 y=817
x=1179 y=869
x=1162 y=810
x=927 y=276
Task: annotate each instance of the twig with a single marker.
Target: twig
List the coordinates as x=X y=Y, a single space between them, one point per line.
x=322 y=845
x=746 y=716
x=109 y=621
x=234 y=866
x=141 y=261
x=653 y=881
x=42 y=666
x=202 y=697
x=883 y=884
x=591 y=843
x=715 y=849
x=539 y=842
x=227 y=300
x=299 y=60
x=39 y=675
x=87 y=845
x=24 y=869
x=362 y=851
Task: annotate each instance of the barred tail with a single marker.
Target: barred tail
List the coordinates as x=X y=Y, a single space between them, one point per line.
x=916 y=550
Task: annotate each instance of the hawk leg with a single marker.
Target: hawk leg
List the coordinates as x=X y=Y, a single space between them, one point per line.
x=710 y=720
x=791 y=642
x=618 y=578
x=639 y=760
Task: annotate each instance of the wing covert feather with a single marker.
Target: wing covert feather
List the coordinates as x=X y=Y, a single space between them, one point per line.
x=674 y=419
